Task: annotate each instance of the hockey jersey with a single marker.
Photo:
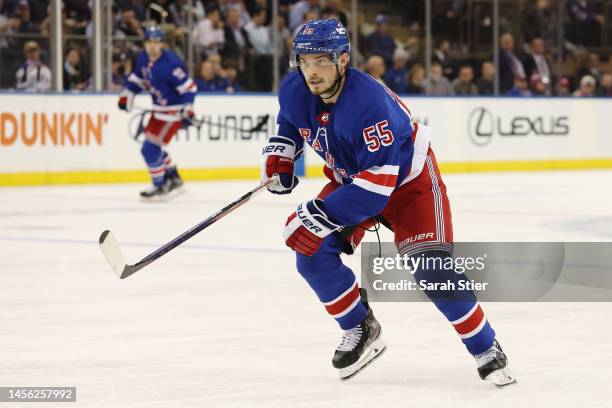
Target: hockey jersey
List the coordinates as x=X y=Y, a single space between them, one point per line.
x=367 y=140
x=166 y=79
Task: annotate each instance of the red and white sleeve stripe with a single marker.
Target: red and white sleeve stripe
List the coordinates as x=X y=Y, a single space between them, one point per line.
x=187 y=86
x=136 y=80
x=378 y=179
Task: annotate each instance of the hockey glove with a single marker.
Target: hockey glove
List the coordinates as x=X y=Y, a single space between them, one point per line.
x=307 y=227
x=187 y=114
x=277 y=158
x=126 y=100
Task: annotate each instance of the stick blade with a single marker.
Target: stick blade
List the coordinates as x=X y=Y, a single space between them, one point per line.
x=112 y=252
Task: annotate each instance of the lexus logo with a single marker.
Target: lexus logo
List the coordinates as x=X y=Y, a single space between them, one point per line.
x=483 y=126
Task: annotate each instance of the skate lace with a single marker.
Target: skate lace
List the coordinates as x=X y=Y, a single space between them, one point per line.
x=350 y=339
x=486 y=356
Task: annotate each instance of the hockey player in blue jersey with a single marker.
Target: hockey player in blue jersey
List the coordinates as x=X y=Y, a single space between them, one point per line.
x=381 y=167
x=164 y=76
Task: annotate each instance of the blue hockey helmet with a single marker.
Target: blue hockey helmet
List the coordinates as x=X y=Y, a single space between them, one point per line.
x=154 y=33
x=321 y=37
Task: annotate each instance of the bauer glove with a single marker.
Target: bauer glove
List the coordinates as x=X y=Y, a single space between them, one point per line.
x=307 y=227
x=277 y=158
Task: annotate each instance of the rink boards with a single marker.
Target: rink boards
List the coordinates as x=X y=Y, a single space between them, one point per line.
x=47 y=139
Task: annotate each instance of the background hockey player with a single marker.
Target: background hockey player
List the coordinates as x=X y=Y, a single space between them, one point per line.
x=163 y=74
x=380 y=164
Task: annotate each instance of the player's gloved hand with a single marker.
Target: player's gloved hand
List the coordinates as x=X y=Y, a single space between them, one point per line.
x=307 y=227
x=187 y=114
x=126 y=100
x=277 y=158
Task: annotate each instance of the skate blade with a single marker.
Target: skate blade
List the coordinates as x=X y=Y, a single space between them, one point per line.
x=375 y=350
x=154 y=199
x=165 y=197
x=501 y=377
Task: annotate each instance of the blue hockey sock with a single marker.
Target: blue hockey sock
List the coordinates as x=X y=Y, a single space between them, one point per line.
x=333 y=282
x=154 y=157
x=458 y=305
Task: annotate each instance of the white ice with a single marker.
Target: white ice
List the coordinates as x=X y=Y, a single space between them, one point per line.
x=226 y=321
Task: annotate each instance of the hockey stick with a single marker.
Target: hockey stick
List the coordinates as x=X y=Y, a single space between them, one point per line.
x=198 y=123
x=112 y=252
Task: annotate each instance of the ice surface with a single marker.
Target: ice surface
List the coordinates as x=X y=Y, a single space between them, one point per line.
x=225 y=320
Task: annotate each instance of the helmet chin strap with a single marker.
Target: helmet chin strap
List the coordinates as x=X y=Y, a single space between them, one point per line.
x=335 y=87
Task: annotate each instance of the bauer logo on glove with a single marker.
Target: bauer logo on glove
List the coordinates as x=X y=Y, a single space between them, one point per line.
x=307 y=227
x=278 y=159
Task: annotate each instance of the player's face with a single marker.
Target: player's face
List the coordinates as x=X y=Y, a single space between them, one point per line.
x=153 y=48
x=319 y=71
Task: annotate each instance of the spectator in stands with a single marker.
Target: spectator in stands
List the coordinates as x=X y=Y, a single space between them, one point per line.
x=537 y=85
x=440 y=55
x=335 y=6
x=329 y=14
x=137 y=5
x=128 y=25
x=231 y=74
x=237 y=43
x=563 y=87
x=415 y=80
x=33 y=75
x=215 y=60
x=591 y=67
x=121 y=68
x=364 y=27
x=75 y=77
x=486 y=83
x=538 y=19
x=77 y=16
x=238 y=5
x=179 y=11
x=587 y=87
x=207 y=81
x=396 y=77
x=259 y=34
x=510 y=66
x=39 y=10
x=536 y=62
x=520 y=88
x=606 y=86
x=375 y=66
x=296 y=15
x=21 y=23
x=380 y=42
x=283 y=43
x=209 y=32
x=464 y=83
x=585 y=26
x=436 y=83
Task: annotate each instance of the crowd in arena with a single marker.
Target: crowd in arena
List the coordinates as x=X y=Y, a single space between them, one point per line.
x=233 y=45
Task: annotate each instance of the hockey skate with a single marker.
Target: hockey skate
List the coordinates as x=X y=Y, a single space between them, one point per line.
x=359 y=347
x=493 y=366
x=156 y=193
x=174 y=179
